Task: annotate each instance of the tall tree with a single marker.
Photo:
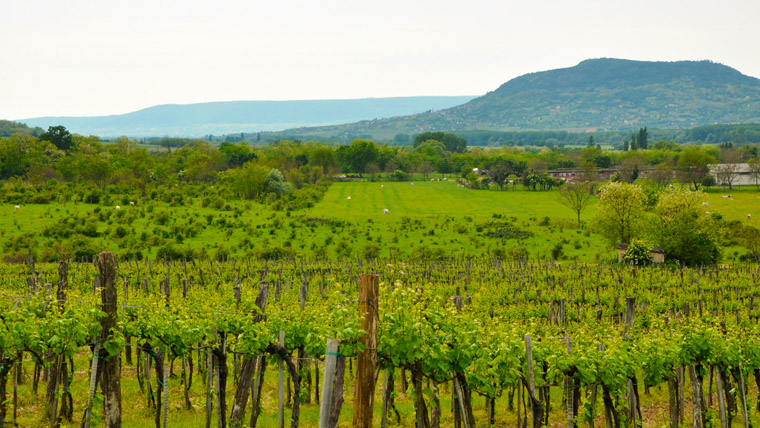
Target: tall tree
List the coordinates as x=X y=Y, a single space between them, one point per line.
x=642 y=138
x=59 y=136
x=620 y=211
x=754 y=171
x=682 y=230
x=728 y=170
x=357 y=155
x=576 y=196
x=693 y=166
x=453 y=143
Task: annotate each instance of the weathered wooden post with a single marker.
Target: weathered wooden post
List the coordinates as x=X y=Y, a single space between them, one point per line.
x=281 y=386
x=535 y=404
x=364 y=389
x=111 y=374
x=331 y=357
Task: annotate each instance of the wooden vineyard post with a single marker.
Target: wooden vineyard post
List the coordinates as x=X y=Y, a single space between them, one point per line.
x=93 y=379
x=165 y=386
x=209 y=386
x=248 y=371
x=364 y=389
x=535 y=404
x=111 y=373
x=326 y=404
x=281 y=386
x=721 y=400
x=696 y=396
x=570 y=385
x=384 y=419
x=743 y=396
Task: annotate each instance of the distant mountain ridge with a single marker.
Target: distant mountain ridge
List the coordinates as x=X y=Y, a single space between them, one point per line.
x=195 y=120
x=597 y=94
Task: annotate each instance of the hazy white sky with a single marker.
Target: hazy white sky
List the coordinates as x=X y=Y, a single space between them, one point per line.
x=97 y=57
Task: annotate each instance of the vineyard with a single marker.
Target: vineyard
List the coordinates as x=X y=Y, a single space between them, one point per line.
x=460 y=343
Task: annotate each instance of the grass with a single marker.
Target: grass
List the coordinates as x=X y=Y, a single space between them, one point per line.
x=425 y=217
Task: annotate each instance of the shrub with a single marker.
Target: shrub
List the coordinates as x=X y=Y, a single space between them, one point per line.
x=637 y=253
x=558 y=251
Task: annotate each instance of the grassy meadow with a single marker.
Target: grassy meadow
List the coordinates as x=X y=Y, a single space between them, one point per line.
x=425 y=218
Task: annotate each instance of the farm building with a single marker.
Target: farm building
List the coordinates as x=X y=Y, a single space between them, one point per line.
x=570 y=174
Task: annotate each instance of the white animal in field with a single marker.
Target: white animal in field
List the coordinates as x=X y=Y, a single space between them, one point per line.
x=131 y=204
x=118 y=207
x=385 y=211
x=705 y=204
x=707 y=212
x=411 y=184
x=382 y=186
x=17 y=207
x=724 y=196
x=349 y=198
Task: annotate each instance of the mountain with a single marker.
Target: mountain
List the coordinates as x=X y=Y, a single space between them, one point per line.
x=195 y=120
x=597 y=94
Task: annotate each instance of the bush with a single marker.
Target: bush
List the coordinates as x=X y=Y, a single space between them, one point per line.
x=399 y=175
x=371 y=251
x=173 y=252
x=558 y=251
x=637 y=253
x=274 y=253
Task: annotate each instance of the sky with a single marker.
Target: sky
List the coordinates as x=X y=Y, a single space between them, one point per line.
x=101 y=57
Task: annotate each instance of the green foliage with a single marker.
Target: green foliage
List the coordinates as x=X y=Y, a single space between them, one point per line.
x=619 y=214
x=693 y=166
x=451 y=142
x=683 y=231
x=638 y=253
x=236 y=154
x=356 y=156
x=59 y=136
x=600 y=93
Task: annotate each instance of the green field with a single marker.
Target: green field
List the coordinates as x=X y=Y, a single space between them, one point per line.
x=437 y=218
x=431 y=219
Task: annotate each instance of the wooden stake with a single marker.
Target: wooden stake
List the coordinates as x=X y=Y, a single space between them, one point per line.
x=331 y=356
x=281 y=386
x=364 y=390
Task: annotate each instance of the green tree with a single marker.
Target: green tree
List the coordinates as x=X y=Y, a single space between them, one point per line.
x=236 y=155
x=452 y=143
x=693 y=166
x=576 y=196
x=642 y=138
x=59 y=136
x=275 y=183
x=754 y=171
x=682 y=230
x=499 y=174
x=357 y=155
x=249 y=181
x=323 y=157
x=14 y=155
x=620 y=211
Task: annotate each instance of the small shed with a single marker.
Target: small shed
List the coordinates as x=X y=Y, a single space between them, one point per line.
x=657 y=254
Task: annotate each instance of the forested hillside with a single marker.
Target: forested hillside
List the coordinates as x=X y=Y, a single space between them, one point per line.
x=597 y=94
